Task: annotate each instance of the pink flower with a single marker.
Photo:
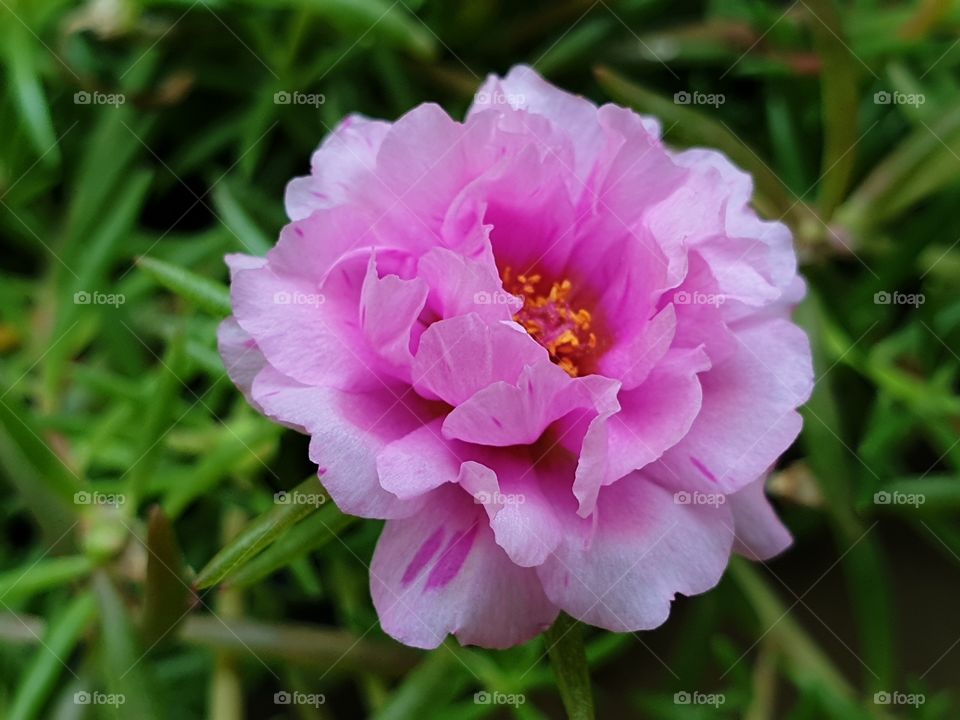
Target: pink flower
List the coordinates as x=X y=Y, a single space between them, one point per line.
x=553 y=354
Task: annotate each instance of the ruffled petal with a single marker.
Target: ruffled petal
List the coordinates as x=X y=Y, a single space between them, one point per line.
x=462 y=355
x=760 y=534
x=441 y=571
x=749 y=416
x=621 y=569
x=347 y=433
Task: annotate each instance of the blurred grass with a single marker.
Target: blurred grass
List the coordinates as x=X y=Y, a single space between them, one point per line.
x=115 y=218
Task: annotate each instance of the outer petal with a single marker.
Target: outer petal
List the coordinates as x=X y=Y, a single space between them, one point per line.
x=753 y=260
x=340 y=168
x=241 y=356
x=440 y=571
x=760 y=534
x=348 y=431
x=749 y=411
x=524 y=89
x=621 y=569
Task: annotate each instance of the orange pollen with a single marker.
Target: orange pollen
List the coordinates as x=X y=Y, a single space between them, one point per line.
x=551 y=320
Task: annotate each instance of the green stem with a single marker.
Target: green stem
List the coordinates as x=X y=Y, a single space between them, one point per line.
x=569 y=661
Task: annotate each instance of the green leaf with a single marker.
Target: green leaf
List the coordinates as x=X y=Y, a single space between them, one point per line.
x=300 y=644
x=380 y=18
x=157 y=417
x=251 y=238
x=259 y=534
x=166 y=593
x=807 y=662
x=432 y=684
x=838 y=82
x=30 y=98
x=933 y=493
x=19 y=584
x=61 y=637
x=206 y=294
x=569 y=662
x=312 y=533
x=122 y=657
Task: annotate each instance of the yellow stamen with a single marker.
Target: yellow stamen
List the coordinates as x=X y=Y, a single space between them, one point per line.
x=549 y=318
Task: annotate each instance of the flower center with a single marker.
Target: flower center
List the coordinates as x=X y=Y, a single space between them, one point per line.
x=552 y=320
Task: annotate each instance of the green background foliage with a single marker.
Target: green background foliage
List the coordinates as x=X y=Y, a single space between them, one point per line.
x=143 y=552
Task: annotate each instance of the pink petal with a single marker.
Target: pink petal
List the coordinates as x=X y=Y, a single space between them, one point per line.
x=418 y=462
x=621 y=569
x=440 y=571
x=504 y=414
x=760 y=534
x=347 y=433
x=522 y=519
x=749 y=413
x=241 y=356
x=389 y=308
x=459 y=356
x=341 y=168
